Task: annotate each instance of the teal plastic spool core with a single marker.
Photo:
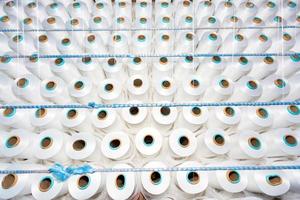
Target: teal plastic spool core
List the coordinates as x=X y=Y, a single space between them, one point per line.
x=79 y=85
x=280 y=83
x=252 y=85
x=293 y=110
x=262 y=113
x=18 y=38
x=271 y=4
x=9 y=112
x=274 y=180
x=46 y=142
x=243 y=60
x=66 y=41
x=216 y=59
x=213 y=36
x=12 y=141
x=76 y=5
x=295 y=58
x=5 y=59
x=53 y=5
x=219 y=140
x=164 y=4
x=86 y=60
x=97 y=20
x=212 y=20
x=59 y=61
x=100 y=5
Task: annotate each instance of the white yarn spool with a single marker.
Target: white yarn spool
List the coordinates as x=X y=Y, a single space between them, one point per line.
x=57 y=9
x=31 y=24
x=46 y=44
x=211 y=143
x=184 y=67
x=191 y=89
x=38 y=67
x=122 y=23
x=192 y=118
x=185 y=42
x=55 y=22
x=11 y=66
x=6 y=93
x=276 y=21
x=64 y=68
x=224 y=117
x=164 y=117
x=138 y=87
x=163 y=8
x=82 y=90
x=237 y=67
x=137 y=66
x=15 y=118
x=103 y=9
x=94 y=44
x=210 y=68
x=123 y=9
x=253 y=22
x=210 y=22
x=76 y=119
x=114 y=69
x=209 y=43
x=9 y=22
x=246 y=89
x=110 y=91
x=263 y=67
x=68 y=45
x=75 y=24
x=289 y=9
x=286 y=116
x=14 y=8
x=284 y=44
x=267 y=10
x=43 y=118
x=221 y=88
x=256 y=118
x=233 y=23
x=143 y=9
x=3 y=44
x=290 y=66
x=162 y=67
x=274 y=87
x=246 y=10
x=293 y=95
x=99 y=22
x=78 y=9
x=35 y=10
x=259 y=43
x=89 y=67
x=141 y=43
x=285 y=142
x=234 y=43
x=224 y=9
x=22 y=44
x=164 y=89
x=119 y=43
x=164 y=42
x=204 y=9
x=27 y=88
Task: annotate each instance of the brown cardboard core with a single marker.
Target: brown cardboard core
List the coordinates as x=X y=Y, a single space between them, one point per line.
x=78 y=85
x=83 y=182
x=166 y=84
x=274 y=180
x=141 y=37
x=293 y=109
x=257 y=20
x=46 y=142
x=155 y=177
x=115 y=143
x=287 y=37
x=193 y=177
x=86 y=59
x=59 y=61
x=8 y=112
x=66 y=41
x=111 y=61
x=120 y=181
x=194 y=83
x=9 y=181
x=165 y=37
x=189 y=36
x=91 y=38
x=51 y=85
x=186 y=3
x=249 y=5
x=227 y=4
x=262 y=113
x=72 y=114
x=121 y=20
x=263 y=38
x=290 y=139
x=45 y=185
x=51 y=20
x=254 y=142
x=41 y=112
x=196 y=111
x=22 y=82
x=27 y=21
x=224 y=83
x=148 y=139
x=78 y=145
x=268 y=60
x=233 y=176
x=13 y=141
x=229 y=111
x=137 y=60
x=122 y=4
x=134 y=110
x=116 y=38
x=163 y=60
x=234 y=19
x=43 y=38
x=102 y=114
x=4 y=59
x=33 y=58
x=5 y=19
x=252 y=84
x=75 y=22
x=219 y=140
x=17 y=38
x=137 y=82
x=165 y=110
x=184 y=141
x=109 y=87
x=279 y=83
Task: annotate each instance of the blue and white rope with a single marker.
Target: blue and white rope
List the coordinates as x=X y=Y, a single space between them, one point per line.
x=93 y=105
x=62 y=173
x=48 y=56
x=147 y=29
